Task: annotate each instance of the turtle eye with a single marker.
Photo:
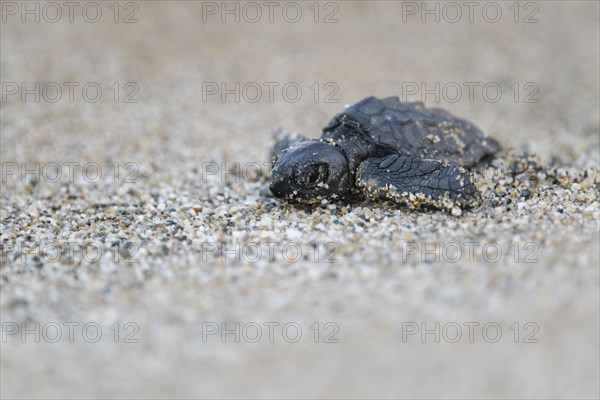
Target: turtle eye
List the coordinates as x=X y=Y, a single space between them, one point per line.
x=317 y=174
x=311 y=176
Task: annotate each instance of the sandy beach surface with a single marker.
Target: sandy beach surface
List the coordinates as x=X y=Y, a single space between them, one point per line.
x=144 y=256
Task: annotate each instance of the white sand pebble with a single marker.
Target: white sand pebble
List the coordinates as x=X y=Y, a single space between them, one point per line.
x=293 y=233
x=266 y=221
x=457 y=212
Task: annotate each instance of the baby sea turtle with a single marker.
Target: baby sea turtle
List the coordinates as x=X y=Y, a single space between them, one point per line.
x=383 y=149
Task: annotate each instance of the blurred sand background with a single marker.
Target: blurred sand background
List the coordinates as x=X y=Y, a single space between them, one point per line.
x=375 y=288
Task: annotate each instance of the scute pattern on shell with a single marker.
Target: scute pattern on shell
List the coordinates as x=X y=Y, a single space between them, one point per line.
x=412 y=129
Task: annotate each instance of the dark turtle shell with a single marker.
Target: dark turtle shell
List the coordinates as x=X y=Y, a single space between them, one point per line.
x=410 y=129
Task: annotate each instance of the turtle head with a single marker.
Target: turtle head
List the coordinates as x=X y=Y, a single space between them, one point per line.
x=310 y=172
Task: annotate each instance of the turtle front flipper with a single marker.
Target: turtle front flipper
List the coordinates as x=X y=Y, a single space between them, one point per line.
x=285 y=139
x=417 y=183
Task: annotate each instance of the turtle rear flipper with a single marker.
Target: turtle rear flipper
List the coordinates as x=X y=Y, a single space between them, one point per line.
x=417 y=183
